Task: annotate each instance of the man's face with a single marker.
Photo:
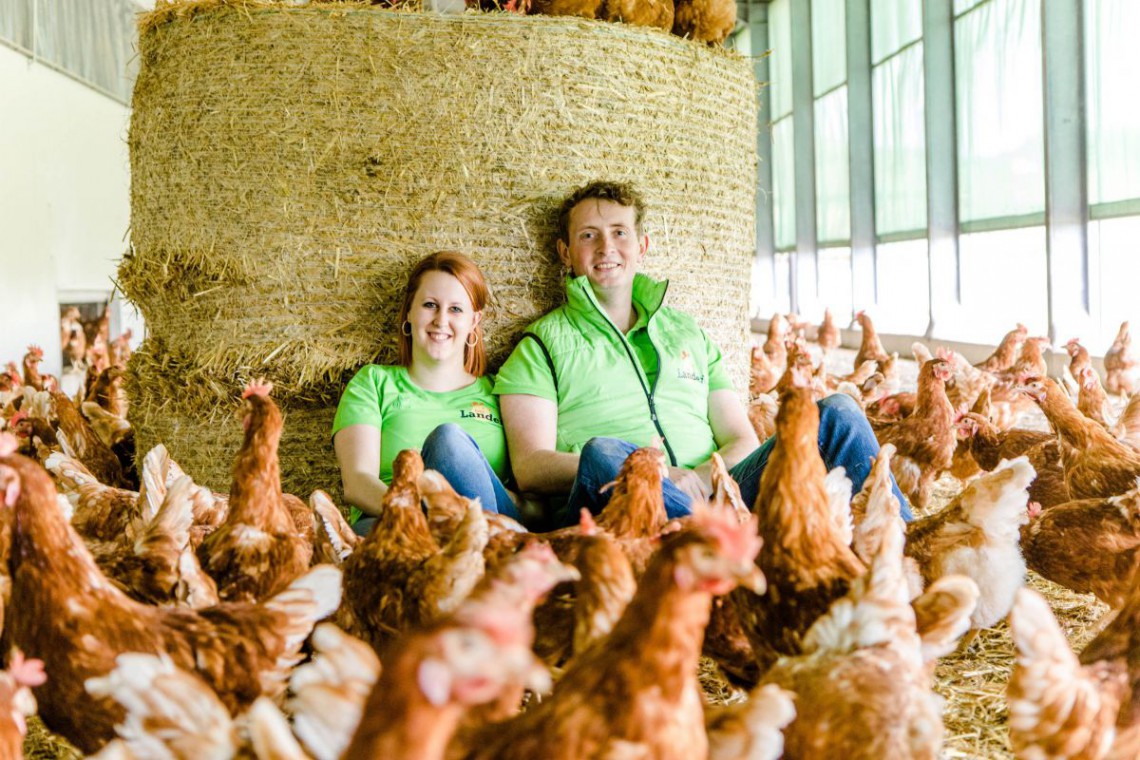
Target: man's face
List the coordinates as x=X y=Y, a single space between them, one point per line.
x=604 y=245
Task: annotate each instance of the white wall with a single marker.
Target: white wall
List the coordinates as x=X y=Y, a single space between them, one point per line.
x=64 y=200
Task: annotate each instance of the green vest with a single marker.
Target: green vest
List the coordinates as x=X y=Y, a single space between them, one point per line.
x=601 y=388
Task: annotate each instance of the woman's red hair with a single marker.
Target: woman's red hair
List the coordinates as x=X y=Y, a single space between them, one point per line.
x=463 y=269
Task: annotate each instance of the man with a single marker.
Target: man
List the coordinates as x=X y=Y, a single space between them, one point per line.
x=614 y=368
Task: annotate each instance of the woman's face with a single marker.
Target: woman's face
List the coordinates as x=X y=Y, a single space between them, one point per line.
x=442 y=317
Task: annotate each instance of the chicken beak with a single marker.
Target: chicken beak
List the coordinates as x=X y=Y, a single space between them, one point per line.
x=752 y=578
x=538 y=678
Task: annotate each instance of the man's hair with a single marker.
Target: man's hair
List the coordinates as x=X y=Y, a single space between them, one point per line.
x=620 y=193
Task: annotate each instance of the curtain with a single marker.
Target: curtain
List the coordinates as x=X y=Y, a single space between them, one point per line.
x=784 y=183
x=998 y=86
x=780 y=62
x=894 y=25
x=16 y=22
x=828 y=45
x=898 y=113
x=832 y=169
x=1113 y=60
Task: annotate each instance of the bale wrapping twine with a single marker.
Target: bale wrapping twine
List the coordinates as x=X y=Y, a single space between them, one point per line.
x=290 y=164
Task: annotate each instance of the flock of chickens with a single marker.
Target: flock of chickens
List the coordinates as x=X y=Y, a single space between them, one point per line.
x=153 y=618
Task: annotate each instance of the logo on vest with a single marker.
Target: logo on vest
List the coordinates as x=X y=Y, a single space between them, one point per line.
x=688 y=370
x=479 y=411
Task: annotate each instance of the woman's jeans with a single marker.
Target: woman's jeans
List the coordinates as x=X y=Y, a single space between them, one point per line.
x=845 y=440
x=454 y=454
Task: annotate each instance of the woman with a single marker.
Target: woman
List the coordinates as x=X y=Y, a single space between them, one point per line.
x=437 y=398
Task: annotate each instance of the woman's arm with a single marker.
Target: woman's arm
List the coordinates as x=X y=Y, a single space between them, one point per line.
x=358 y=453
x=531 y=423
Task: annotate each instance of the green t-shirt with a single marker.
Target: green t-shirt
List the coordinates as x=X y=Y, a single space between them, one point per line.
x=405 y=414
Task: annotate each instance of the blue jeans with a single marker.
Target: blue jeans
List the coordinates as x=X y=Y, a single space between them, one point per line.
x=845 y=440
x=453 y=453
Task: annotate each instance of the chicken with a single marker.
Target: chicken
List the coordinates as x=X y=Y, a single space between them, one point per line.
x=805 y=560
x=989 y=446
x=257 y=550
x=863 y=682
x=654 y=13
x=100 y=512
x=1092 y=401
x=431 y=677
x=1119 y=363
x=32 y=361
x=968 y=383
x=335 y=540
x=762 y=414
x=709 y=21
x=1096 y=464
x=605 y=589
x=119 y=350
x=870 y=347
x=80 y=441
x=637 y=694
x=157 y=565
x=1089 y=546
x=1030 y=362
x=398 y=577
x=446 y=511
x=327 y=694
x=925 y=440
x=753 y=729
x=976 y=535
x=1079 y=357
x=108 y=391
x=1058 y=708
x=77 y=622
x=828 y=336
x=762 y=374
x=17 y=702
x=875 y=511
x=110 y=429
x=1006 y=353
x=774 y=347
x=1127 y=427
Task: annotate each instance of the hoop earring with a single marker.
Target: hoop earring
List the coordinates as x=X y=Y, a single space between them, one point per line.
x=406 y=328
x=467 y=340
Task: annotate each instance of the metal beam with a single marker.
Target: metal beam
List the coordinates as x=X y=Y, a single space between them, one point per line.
x=805 y=286
x=1066 y=186
x=941 y=162
x=861 y=147
x=765 y=210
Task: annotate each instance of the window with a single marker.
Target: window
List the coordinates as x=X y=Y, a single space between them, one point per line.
x=1112 y=58
x=1003 y=281
x=829 y=73
x=1116 y=270
x=904 y=298
x=783 y=143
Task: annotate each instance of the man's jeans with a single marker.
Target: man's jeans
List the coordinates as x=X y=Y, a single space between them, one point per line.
x=845 y=440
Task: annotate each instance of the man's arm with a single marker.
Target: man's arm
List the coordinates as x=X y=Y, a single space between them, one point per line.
x=732 y=431
x=357 y=450
x=531 y=423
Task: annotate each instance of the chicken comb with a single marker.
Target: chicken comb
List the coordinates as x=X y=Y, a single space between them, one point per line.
x=738 y=541
x=35 y=351
x=17 y=418
x=258 y=387
x=26 y=672
x=586 y=523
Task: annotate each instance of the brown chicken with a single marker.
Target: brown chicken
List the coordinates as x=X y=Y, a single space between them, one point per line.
x=925 y=440
x=774 y=347
x=1078 y=357
x=1092 y=401
x=763 y=374
x=989 y=446
x=968 y=383
x=637 y=692
x=1059 y=708
x=806 y=562
x=1119 y=363
x=1096 y=464
x=870 y=347
x=446 y=511
x=876 y=511
x=863 y=683
x=762 y=414
x=752 y=729
x=1030 y=362
x=654 y=13
x=32 y=361
x=1127 y=427
x=1089 y=546
x=80 y=441
x=335 y=540
x=709 y=21
x=1006 y=353
x=828 y=335
x=108 y=391
x=1118 y=646
x=77 y=622
x=257 y=550
x=17 y=702
x=976 y=535
x=101 y=512
x=398 y=577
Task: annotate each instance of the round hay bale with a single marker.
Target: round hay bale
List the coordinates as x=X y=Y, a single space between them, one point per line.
x=196 y=418
x=290 y=164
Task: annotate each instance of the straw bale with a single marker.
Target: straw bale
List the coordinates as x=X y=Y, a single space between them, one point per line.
x=196 y=418
x=289 y=164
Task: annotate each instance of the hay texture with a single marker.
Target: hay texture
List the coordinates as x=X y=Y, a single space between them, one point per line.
x=290 y=164
x=197 y=418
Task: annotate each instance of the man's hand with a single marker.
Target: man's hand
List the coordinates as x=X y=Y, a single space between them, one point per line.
x=690 y=483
